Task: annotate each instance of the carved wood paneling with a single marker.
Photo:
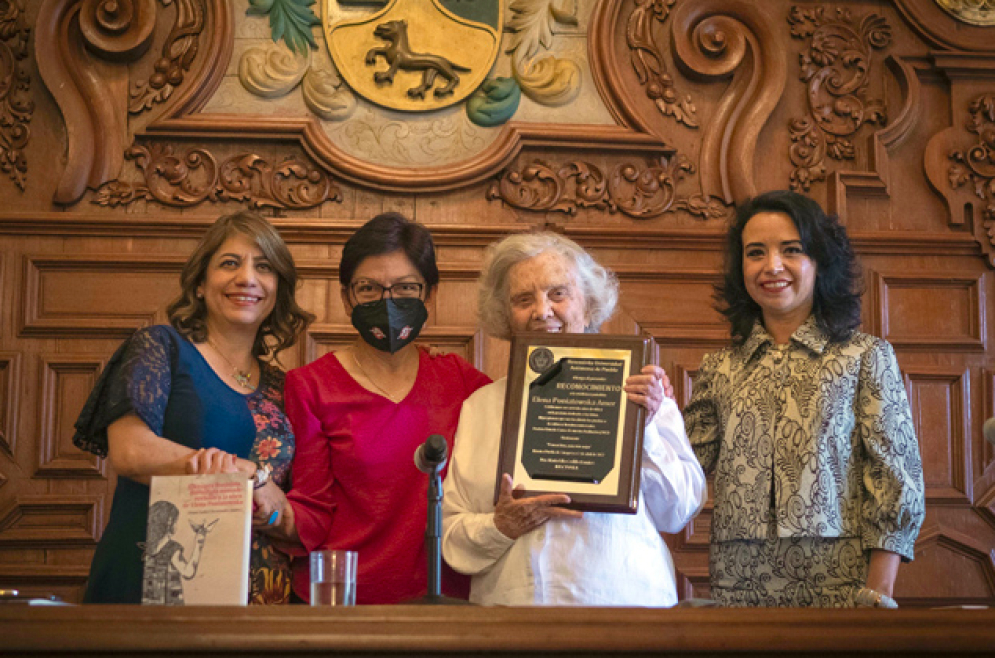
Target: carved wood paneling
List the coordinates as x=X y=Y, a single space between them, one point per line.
x=653 y=295
x=720 y=39
x=682 y=380
x=187 y=179
x=837 y=67
x=876 y=181
x=65 y=581
x=963 y=566
x=69 y=296
x=16 y=104
x=51 y=521
x=10 y=388
x=637 y=189
x=931 y=310
x=66 y=383
x=939 y=398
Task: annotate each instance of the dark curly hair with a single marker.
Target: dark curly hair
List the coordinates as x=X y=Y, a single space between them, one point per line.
x=188 y=314
x=836 y=297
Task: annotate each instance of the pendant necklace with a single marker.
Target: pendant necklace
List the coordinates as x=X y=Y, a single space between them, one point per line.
x=242 y=378
x=355 y=359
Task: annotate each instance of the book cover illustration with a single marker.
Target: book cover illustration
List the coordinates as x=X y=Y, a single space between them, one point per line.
x=197 y=541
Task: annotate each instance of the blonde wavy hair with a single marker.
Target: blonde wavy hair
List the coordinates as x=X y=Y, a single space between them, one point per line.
x=598 y=284
x=188 y=314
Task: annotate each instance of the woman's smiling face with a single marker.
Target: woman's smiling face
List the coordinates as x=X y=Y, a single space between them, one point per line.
x=777 y=272
x=545 y=295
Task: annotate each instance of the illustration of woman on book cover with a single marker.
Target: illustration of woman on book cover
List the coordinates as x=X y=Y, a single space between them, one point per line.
x=165 y=564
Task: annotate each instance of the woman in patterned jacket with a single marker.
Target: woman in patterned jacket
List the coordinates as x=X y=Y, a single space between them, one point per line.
x=804 y=421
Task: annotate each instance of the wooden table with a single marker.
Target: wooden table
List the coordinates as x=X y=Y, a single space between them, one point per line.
x=522 y=632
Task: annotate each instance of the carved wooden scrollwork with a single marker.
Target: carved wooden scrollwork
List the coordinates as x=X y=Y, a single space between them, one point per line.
x=178 y=53
x=836 y=68
x=640 y=191
x=69 y=35
x=16 y=106
x=976 y=166
x=648 y=63
x=187 y=179
x=717 y=39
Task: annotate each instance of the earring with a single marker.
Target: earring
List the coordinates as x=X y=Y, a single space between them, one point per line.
x=200 y=295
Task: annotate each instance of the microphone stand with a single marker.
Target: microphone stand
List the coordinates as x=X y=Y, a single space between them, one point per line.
x=433 y=545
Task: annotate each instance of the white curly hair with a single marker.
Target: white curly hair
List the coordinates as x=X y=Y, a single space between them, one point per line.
x=598 y=284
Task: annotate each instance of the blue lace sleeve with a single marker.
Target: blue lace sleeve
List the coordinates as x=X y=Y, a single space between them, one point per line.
x=136 y=380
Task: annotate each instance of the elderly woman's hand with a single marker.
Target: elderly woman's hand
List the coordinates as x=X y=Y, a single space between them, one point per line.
x=514 y=515
x=648 y=389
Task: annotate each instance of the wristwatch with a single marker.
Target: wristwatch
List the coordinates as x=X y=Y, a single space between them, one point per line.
x=261 y=476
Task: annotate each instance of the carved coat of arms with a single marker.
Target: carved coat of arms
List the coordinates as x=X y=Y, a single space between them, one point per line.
x=415 y=55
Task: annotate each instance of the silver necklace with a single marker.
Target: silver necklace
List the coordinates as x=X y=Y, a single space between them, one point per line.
x=242 y=378
x=355 y=359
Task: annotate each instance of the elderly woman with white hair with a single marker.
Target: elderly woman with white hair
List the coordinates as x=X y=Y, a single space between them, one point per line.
x=529 y=550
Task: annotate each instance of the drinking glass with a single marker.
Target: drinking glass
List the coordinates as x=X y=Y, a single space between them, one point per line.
x=333 y=577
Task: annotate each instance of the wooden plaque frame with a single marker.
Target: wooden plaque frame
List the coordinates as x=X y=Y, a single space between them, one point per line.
x=619 y=491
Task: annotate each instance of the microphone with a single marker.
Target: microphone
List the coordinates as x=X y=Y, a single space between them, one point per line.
x=989 y=431
x=431 y=456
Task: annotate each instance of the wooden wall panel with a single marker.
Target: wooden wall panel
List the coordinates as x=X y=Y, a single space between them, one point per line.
x=932 y=310
x=939 y=399
x=69 y=296
x=51 y=521
x=66 y=383
x=10 y=386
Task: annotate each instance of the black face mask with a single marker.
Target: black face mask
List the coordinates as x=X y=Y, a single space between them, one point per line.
x=390 y=324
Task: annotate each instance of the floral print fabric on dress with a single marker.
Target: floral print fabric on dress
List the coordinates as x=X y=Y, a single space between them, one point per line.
x=270 y=568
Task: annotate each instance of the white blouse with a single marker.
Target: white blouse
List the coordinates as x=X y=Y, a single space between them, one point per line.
x=597 y=560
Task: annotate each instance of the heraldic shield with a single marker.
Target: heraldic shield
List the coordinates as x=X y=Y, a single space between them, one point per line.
x=416 y=55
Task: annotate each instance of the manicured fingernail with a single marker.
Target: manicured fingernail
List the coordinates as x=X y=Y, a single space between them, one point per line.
x=273 y=517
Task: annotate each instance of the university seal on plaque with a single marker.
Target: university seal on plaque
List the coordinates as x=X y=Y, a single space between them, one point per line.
x=415 y=55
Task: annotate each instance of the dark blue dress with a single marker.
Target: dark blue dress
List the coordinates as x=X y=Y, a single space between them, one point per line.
x=159 y=376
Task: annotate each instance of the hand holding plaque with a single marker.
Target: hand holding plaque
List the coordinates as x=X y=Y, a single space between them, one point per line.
x=568 y=425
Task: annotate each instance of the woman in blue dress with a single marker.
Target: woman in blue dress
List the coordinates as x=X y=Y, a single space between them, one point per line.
x=200 y=395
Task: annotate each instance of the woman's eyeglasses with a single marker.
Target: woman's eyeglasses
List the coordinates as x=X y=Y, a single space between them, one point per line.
x=366 y=291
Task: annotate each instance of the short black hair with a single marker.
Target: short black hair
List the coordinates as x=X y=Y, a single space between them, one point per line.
x=385 y=234
x=836 y=297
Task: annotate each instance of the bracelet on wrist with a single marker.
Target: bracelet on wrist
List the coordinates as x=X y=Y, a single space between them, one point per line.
x=261 y=476
x=871 y=598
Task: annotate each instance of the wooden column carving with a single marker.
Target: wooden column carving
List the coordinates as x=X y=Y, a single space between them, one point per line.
x=82 y=47
x=716 y=39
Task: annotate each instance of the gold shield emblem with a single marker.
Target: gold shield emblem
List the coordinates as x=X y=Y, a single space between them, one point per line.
x=416 y=55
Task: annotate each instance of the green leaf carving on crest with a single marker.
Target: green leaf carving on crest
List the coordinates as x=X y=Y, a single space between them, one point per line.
x=290 y=20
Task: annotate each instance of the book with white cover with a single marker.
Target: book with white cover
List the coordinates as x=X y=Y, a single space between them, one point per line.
x=198 y=539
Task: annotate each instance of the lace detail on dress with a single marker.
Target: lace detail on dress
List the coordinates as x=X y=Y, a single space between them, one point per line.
x=136 y=380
